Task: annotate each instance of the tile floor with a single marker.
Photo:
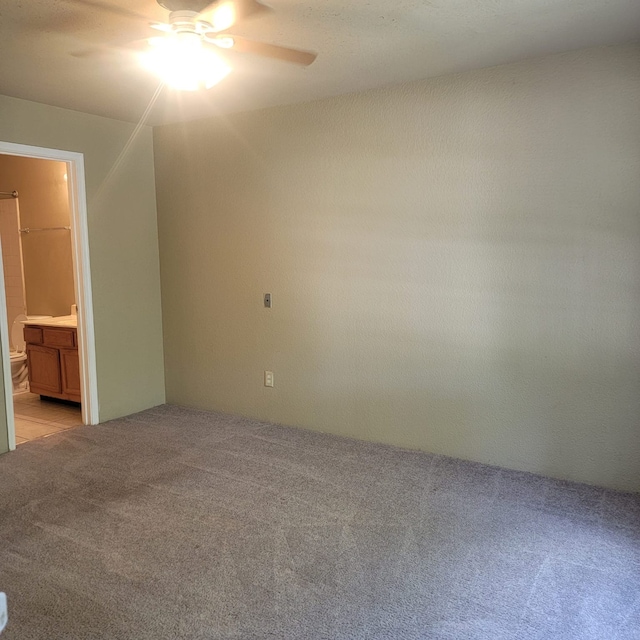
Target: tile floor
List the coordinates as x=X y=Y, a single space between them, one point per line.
x=37 y=418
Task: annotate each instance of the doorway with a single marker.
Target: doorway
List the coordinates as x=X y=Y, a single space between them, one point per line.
x=56 y=387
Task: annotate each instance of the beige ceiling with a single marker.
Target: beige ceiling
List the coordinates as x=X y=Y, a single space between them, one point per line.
x=360 y=43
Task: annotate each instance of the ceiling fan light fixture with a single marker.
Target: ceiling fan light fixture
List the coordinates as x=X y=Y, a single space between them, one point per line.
x=224 y=42
x=183 y=63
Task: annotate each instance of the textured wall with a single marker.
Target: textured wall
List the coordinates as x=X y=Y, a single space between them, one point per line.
x=455 y=264
x=44 y=202
x=123 y=244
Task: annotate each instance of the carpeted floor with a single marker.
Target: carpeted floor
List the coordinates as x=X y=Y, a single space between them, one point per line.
x=176 y=523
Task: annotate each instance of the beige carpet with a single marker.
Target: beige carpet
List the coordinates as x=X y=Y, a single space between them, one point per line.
x=176 y=523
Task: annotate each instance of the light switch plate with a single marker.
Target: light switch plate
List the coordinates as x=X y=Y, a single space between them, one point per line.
x=267 y=300
x=4 y=614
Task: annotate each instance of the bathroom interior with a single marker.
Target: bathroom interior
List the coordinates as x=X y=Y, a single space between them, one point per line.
x=35 y=231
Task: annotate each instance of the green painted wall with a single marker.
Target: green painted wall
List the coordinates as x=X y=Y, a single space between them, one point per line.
x=454 y=263
x=123 y=245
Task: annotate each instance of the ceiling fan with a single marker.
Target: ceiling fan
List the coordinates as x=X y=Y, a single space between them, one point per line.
x=185 y=53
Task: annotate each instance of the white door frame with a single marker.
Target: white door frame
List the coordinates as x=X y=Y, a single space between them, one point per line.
x=82 y=284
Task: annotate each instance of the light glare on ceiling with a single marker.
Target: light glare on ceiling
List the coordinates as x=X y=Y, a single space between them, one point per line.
x=224 y=16
x=183 y=63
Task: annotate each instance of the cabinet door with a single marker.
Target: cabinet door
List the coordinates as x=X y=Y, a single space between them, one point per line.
x=44 y=369
x=70 y=367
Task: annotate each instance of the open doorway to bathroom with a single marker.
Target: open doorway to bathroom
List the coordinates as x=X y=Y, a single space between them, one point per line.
x=48 y=352
x=35 y=231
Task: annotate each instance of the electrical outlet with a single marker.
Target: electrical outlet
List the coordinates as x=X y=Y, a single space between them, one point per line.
x=4 y=614
x=267 y=300
x=268 y=378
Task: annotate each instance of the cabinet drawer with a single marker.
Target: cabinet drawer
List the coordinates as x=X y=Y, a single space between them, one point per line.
x=33 y=335
x=58 y=337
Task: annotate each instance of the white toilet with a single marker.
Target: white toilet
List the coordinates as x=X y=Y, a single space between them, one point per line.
x=19 y=371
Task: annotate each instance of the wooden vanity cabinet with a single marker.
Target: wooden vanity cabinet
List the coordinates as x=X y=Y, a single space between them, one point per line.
x=52 y=359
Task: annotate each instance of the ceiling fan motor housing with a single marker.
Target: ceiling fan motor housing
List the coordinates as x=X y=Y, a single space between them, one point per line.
x=187 y=21
x=185 y=5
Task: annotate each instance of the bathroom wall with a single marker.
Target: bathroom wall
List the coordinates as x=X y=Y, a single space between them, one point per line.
x=44 y=202
x=11 y=260
x=454 y=263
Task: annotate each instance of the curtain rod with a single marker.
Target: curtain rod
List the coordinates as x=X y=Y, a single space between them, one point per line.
x=9 y=194
x=29 y=230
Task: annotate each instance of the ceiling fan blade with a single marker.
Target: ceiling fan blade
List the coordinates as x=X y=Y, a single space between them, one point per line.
x=222 y=14
x=102 y=50
x=161 y=26
x=101 y=5
x=93 y=52
x=246 y=8
x=286 y=54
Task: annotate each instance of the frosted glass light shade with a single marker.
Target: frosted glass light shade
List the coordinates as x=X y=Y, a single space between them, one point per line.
x=183 y=63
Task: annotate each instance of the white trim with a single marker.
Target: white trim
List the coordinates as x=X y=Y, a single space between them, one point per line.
x=82 y=278
x=6 y=362
x=84 y=296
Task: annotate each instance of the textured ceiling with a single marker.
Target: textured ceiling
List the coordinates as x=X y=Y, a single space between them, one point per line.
x=360 y=43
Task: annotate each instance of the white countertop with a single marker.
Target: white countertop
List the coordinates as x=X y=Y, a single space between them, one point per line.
x=58 y=321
